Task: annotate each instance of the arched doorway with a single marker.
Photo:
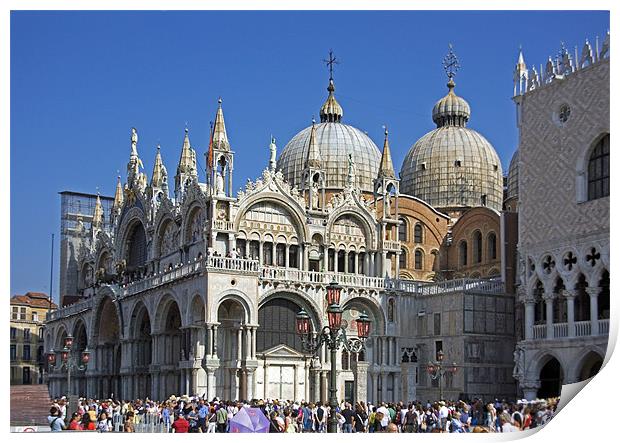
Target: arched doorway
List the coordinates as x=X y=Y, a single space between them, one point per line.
x=283 y=365
x=142 y=351
x=80 y=342
x=232 y=316
x=108 y=350
x=592 y=363
x=172 y=351
x=551 y=378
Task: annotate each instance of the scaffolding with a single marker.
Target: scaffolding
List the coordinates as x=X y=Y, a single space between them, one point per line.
x=76 y=216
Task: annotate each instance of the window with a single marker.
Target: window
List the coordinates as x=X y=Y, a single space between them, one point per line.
x=437 y=323
x=477 y=247
x=419 y=259
x=15 y=313
x=598 y=170
x=418 y=233
x=402 y=230
x=40 y=334
x=13 y=333
x=492 y=246
x=483 y=200
x=35 y=316
x=26 y=352
x=402 y=259
x=438 y=347
x=457 y=163
x=463 y=253
x=390 y=311
x=13 y=352
x=27 y=334
x=22 y=313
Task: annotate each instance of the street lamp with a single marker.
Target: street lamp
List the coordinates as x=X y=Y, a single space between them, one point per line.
x=70 y=361
x=333 y=336
x=437 y=370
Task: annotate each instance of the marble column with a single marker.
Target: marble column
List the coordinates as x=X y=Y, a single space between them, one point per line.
x=210 y=383
x=260 y=252
x=324 y=387
x=286 y=258
x=265 y=380
x=594 y=292
x=549 y=306
x=295 y=383
x=384 y=386
x=240 y=344
x=214 y=339
x=254 y=328
x=570 y=310
x=306 y=381
x=529 y=319
x=346 y=262
x=248 y=342
x=336 y=253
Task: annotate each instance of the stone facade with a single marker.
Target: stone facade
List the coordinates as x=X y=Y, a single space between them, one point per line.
x=563 y=286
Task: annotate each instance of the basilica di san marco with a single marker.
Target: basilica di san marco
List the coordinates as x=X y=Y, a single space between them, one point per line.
x=179 y=286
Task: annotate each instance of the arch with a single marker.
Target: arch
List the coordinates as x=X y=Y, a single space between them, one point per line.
x=589 y=365
x=598 y=169
x=106 y=330
x=299 y=297
x=135 y=246
x=491 y=246
x=351 y=227
x=463 y=253
x=80 y=335
x=390 y=310
x=193 y=224
x=403 y=229
x=241 y=299
x=582 y=299
x=540 y=310
x=366 y=223
x=167 y=238
x=419 y=259
x=477 y=247
x=603 y=297
x=551 y=376
x=372 y=308
x=583 y=163
x=61 y=334
x=402 y=259
x=277 y=320
x=560 y=305
x=196 y=313
x=418 y=233
x=139 y=315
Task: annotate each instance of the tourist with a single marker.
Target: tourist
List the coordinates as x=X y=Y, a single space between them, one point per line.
x=360 y=419
x=274 y=425
x=102 y=423
x=384 y=419
x=128 y=425
x=74 y=424
x=410 y=421
x=392 y=428
x=222 y=418
x=88 y=424
x=180 y=425
x=55 y=420
x=211 y=420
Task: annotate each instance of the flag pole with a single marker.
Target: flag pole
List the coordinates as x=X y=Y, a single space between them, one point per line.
x=49 y=310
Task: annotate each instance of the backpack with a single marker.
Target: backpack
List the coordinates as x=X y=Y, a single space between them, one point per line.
x=319 y=413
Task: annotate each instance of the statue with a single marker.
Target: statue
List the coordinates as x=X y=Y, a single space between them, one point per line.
x=388 y=203
x=272 y=158
x=219 y=183
x=519 y=359
x=315 y=195
x=351 y=175
x=134 y=141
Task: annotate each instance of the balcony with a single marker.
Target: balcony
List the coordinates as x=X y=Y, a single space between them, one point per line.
x=73 y=309
x=478 y=286
x=234 y=265
x=321 y=278
x=562 y=330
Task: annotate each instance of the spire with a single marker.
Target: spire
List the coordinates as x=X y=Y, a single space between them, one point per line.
x=187 y=162
x=159 y=170
x=451 y=110
x=118 y=196
x=331 y=111
x=314 y=155
x=386 y=167
x=520 y=75
x=220 y=138
x=98 y=214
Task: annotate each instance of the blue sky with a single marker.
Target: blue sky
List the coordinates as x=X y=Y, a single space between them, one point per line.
x=81 y=80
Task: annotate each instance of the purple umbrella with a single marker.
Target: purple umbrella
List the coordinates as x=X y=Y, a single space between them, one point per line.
x=249 y=420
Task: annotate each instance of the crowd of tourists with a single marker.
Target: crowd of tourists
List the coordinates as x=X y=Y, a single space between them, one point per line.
x=195 y=414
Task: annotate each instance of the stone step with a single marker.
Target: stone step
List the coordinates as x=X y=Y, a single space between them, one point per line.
x=30 y=404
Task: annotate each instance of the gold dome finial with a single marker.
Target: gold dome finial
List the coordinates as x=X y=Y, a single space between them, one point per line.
x=331 y=111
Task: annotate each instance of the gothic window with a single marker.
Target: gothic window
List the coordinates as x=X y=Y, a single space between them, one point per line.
x=345 y=360
x=560 y=314
x=419 y=259
x=418 y=233
x=402 y=259
x=598 y=170
x=582 y=300
x=390 y=311
x=540 y=311
x=463 y=253
x=136 y=247
x=603 y=297
x=477 y=247
x=492 y=246
x=402 y=230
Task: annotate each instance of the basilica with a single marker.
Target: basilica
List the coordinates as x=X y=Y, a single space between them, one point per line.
x=181 y=286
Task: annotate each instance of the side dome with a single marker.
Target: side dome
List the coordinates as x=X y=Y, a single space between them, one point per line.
x=335 y=142
x=453 y=167
x=512 y=190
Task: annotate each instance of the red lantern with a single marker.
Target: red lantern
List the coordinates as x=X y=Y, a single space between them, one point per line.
x=64 y=354
x=69 y=341
x=85 y=356
x=51 y=357
x=333 y=293
x=334 y=317
x=363 y=326
x=303 y=323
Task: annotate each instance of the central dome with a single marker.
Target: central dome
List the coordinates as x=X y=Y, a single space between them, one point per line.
x=335 y=141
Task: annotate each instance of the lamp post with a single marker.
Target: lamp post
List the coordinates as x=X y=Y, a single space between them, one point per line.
x=333 y=336
x=70 y=361
x=438 y=369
